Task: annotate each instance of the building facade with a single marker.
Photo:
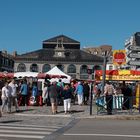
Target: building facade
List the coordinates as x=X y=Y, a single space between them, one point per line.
x=132 y=47
x=63 y=52
x=6 y=62
x=100 y=51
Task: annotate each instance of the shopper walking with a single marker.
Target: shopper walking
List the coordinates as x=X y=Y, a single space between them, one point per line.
x=35 y=91
x=109 y=91
x=53 y=97
x=79 y=92
x=24 y=93
x=67 y=95
x=6 y=98
x=72 y=88
x=86 y=90
x=13 y=89
x=45 y=94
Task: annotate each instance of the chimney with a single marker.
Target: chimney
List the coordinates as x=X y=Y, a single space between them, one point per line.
x=15 y=53
x=4 y=51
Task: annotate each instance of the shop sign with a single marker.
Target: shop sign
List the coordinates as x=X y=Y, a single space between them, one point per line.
x=124 y=72
x=122 y=78
x=135 y=63
x=134 y=48
x=119 y=57
x=134 y=55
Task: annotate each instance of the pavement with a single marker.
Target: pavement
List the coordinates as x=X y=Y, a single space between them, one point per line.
x=40 y=117
x=77 y=112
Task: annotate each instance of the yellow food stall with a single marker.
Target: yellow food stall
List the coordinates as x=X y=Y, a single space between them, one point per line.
x=123 y=75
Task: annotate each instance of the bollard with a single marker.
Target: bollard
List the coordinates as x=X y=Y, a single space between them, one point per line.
x=91 y=98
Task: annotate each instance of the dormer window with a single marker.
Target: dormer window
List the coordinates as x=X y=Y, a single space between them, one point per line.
x=95 y=52
x=103 y=53
x=60 y=43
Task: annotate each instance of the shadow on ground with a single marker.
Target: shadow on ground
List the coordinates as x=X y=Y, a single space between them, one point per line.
x=11 y=121
x=22 y=110
x=72 y=111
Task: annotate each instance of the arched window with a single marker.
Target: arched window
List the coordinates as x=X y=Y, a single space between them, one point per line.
x=61 y=67
x=71 y=68
x=97 y=67
x=34 y=68
x=21 y=67
x=46 y=68
x=83 y=69
x=110 y=67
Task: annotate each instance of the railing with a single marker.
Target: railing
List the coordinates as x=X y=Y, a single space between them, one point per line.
x=118 y=105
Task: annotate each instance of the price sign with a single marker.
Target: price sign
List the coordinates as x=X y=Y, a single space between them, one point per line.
x=134 y=63
x=134 y=55
x=134 y=48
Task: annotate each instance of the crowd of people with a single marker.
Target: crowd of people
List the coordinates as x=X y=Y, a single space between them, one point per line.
x=22 y=93
x=58 y=93
x=122 y=92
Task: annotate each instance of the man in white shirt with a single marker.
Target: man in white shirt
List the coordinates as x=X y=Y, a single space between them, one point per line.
x=6 y=98
x=45 y=93
x=13 y=89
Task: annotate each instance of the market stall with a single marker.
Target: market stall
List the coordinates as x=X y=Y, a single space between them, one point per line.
x=31 y=77
x=58 y=74
x=119 y=75
x=127 y=76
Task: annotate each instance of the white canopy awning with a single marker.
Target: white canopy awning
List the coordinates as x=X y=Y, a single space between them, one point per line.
x=56 y=71
x=25 y=74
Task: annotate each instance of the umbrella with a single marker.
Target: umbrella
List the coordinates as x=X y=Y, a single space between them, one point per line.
x=2 y=75
x=25 y=74
x=30 y=74
x=10 y=75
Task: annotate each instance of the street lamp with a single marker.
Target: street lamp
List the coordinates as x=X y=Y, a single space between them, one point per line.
x=105 y=55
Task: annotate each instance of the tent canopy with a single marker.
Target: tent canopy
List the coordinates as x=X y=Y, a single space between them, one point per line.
x=33 y=75
x=26 y=74
x=61 y=75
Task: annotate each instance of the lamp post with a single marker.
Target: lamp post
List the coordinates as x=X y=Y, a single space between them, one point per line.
x=104 y=70
x=89 y=71
x=91 y=94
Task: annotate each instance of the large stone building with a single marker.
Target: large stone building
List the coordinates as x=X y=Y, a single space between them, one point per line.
x=132 y=47
x=6 y=62
x=63 y=52
x=100 y=51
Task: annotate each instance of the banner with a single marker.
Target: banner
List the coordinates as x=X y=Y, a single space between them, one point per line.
x=121 y=78
x=119 y=57
x=120 y=75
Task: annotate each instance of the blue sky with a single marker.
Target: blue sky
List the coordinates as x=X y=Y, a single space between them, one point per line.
x=24 y=24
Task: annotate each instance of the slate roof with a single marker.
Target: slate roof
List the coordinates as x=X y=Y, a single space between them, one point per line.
x=71 y=55
x=63 y=37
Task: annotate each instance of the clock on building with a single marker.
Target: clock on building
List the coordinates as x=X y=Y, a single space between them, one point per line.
x=59 y=53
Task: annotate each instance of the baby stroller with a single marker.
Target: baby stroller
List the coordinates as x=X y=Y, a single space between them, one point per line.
x=32 y=101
